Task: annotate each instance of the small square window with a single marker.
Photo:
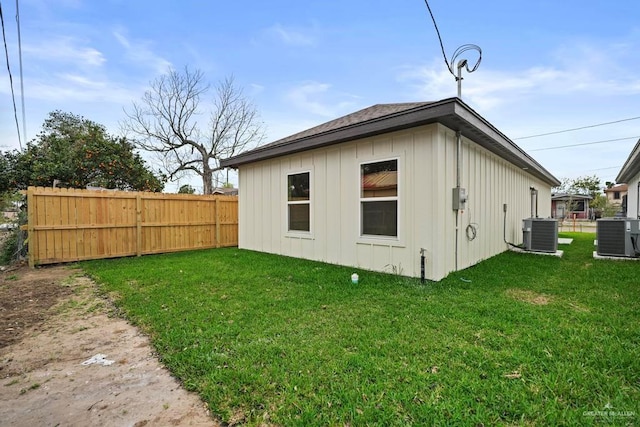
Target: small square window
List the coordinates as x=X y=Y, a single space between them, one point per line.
x=299 y=217
x=299 y=202
x=379 y=198
x=298 y=187
x=380 y=218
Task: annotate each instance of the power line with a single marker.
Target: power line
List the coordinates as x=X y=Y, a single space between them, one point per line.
x=604 y=169
x=458 y=52
x=583 y=143
x=444 y=55
x=580 y=128
x=24 y=119
x=13 y=96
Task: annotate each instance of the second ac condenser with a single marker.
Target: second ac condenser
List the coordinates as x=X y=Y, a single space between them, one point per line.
x=540 y=234
x=618 y=237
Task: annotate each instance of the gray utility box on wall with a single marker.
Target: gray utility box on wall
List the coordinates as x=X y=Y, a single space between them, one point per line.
x=618 y=237
x=540 y=234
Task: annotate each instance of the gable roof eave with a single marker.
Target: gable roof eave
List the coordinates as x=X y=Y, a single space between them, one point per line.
x=631 y=166
x=450 y=112
x=567 y=196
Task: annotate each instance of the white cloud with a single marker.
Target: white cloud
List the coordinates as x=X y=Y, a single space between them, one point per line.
x=70 y=87
x=140 y=52
x=65 y=50
x=255 y=89
x=579 y=69
x=82 y=81
x=316 y=98
x=293 y=37
x=489 y=89
x=578 y=84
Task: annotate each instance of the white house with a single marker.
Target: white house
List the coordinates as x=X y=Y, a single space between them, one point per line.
x=378 y=187
x=630 y=174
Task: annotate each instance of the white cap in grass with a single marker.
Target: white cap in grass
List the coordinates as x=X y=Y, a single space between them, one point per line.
x=354 y=278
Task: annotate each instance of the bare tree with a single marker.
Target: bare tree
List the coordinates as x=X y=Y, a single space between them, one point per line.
x=165 y=122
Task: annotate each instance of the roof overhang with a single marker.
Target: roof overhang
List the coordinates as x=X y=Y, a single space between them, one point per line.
x=451 y=112
x=631 y=167
x=562 y=197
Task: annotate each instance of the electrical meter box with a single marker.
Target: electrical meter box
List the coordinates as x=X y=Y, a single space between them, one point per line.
x=459 y=198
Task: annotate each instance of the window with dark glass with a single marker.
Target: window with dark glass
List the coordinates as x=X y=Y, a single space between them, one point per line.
x=299 y=202
x=379 y=198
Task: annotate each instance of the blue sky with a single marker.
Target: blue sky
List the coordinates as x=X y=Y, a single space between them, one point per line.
x=547 y=65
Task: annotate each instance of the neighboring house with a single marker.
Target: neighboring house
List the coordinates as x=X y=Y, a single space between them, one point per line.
x=630 y=174
x=375 y=188
x=565 y=205
x=616 y=193
x=225 y=191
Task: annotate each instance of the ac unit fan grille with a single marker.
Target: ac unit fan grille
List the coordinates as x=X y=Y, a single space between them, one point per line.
x=544 y=236
x=611 y=238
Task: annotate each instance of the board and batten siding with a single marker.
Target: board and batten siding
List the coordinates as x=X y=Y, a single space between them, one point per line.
x=632 y=197
x=426 y=176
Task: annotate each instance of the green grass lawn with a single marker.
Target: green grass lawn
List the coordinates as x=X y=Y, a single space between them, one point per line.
x=519 y=339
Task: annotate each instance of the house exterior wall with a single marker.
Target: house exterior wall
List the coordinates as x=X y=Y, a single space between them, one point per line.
x=426 y=176
x=559 y=209
x=632 y=197
x=611 y=196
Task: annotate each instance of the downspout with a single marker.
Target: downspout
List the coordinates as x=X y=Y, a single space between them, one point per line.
x=458 y=157
x=638 y=201
x=458 y=179
x=534 y=202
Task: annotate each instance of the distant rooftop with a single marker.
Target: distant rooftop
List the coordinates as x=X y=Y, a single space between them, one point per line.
x=617 y=187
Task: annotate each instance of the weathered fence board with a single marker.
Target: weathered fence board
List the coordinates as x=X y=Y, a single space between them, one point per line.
x=73 y=225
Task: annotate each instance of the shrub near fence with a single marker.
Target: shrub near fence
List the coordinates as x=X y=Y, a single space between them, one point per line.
x=71 y=225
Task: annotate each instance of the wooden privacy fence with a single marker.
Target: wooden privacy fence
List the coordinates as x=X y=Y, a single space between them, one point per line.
x=72 y=225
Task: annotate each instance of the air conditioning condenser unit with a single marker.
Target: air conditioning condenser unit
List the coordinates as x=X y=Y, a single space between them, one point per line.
x=540 y=234
x=618 y=237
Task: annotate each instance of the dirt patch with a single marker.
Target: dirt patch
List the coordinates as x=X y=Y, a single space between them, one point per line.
x=528 y=296
x=51 y=322
x=25 y=298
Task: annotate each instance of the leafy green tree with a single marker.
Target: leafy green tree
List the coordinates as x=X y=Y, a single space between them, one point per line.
x=604 y=206
x=9 y=200
x=5 y=173
x=72 y=151
x=587 y=185
x=186 y=189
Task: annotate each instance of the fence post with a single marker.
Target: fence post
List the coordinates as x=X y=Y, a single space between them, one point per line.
x=217 y=222
x=31 y=240
x=138 y=225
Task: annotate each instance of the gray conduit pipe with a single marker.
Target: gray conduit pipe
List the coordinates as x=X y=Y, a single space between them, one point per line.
x=458 y=179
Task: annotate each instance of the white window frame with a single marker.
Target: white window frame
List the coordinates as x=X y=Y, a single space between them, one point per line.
x=298 y=233
x=372 y=238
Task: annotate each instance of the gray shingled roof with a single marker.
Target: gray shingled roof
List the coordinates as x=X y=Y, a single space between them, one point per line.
x=361 y=116
x=384 y=118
